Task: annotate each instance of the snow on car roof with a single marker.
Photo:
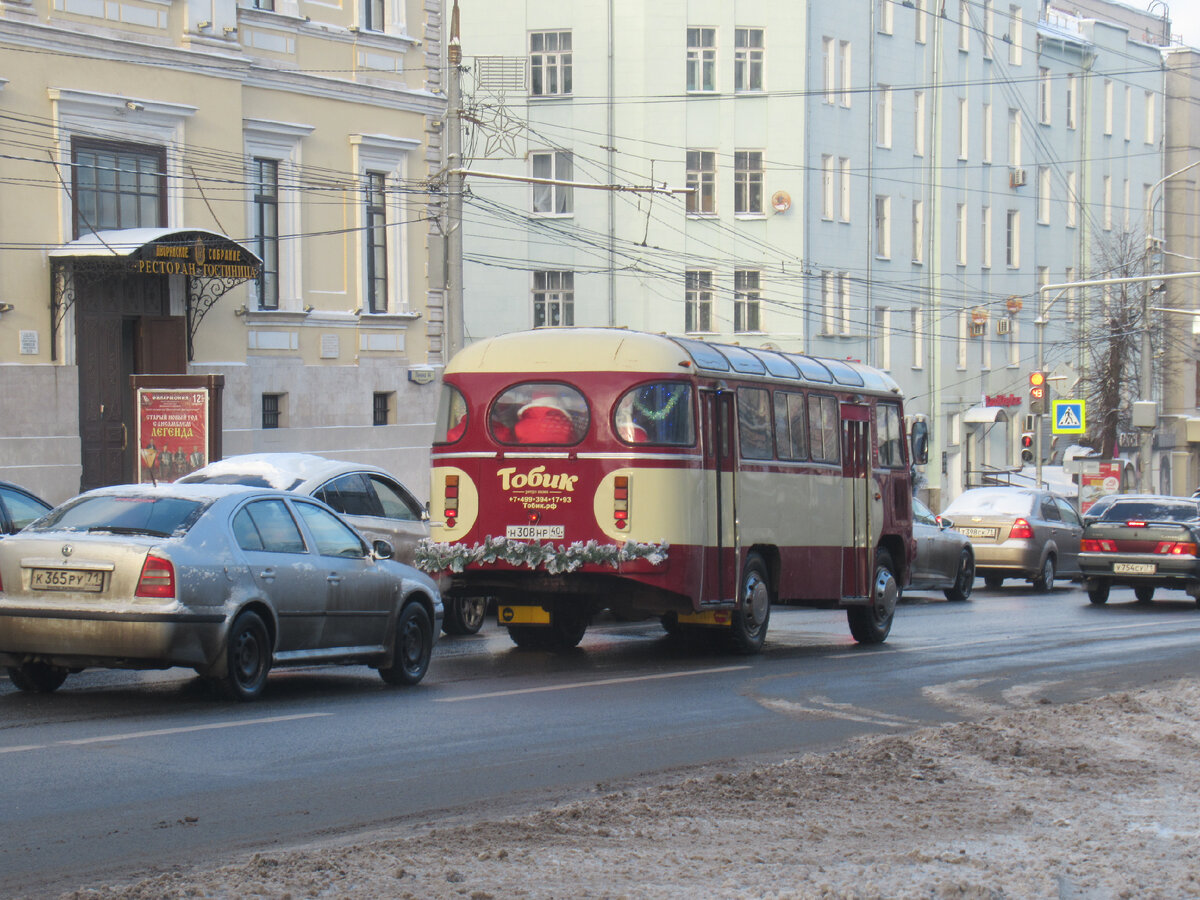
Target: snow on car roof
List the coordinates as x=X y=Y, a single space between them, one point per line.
x=282 y=471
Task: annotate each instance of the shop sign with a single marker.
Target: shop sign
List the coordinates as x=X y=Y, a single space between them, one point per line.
x=196 y=260
x=1002 y=400
x=172 y=429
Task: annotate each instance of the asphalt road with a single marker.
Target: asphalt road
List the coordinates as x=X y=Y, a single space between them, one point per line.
x=123 y=773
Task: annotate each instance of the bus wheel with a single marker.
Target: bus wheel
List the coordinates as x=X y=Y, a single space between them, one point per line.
x=530 y=637
x=567 y=628
x=748 y=628
x=464 y=615
x=871 y=624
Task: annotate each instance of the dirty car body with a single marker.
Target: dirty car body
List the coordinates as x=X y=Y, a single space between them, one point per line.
x=223 y=579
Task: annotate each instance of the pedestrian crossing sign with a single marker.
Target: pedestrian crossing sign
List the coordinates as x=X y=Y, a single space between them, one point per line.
x=1070 y=417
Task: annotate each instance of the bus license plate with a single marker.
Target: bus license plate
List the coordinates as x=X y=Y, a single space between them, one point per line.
x=534 y=532
x=1134 y=568
x=67 y=580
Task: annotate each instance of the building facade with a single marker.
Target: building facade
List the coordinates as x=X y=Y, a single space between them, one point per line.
x=877 y=182
x=216 y=189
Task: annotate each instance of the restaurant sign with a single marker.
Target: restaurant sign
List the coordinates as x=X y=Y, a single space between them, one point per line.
x=200 y=258
x=1002 y=400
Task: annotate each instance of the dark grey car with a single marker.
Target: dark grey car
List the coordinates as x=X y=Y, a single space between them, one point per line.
x=1019 y=533
x=945 y=559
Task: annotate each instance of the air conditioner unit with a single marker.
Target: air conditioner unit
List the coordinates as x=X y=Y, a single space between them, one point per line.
x=978 y=329
x=1003 y=325
x=1016 y=177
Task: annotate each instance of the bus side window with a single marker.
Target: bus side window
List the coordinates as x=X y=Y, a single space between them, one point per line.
x=659 y=413
x=754 y=423
x=791 y=437
x=889 y=436
x=823 y=428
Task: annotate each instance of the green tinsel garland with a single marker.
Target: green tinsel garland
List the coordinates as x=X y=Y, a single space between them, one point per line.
x=434 y=557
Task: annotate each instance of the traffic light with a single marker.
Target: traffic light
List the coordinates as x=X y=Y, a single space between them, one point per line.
x=1037 y=393
x=1027 y=448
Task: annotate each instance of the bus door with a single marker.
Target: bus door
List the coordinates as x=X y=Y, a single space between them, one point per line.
x=857 y=500
x=719 y=498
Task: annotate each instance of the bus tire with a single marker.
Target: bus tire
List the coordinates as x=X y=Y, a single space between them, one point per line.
x=464 y=615
x=748 y=626
x=567 y=628
x=530 y=637
x=871 y=624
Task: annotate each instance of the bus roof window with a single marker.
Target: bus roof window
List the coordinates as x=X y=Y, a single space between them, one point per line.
x=843 y=373
x=744 y=361
x=539 y=413
x=706 y=356
x=658 y=413
x=810 y=369
x=777 y=364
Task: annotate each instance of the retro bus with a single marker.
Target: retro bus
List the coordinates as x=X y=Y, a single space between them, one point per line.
x=582 y=469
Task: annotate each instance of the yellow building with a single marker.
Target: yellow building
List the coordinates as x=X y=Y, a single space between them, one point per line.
x=210 y=188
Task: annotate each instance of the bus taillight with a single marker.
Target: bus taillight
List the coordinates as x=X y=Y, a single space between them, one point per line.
x=451 y=500
x=621 y=501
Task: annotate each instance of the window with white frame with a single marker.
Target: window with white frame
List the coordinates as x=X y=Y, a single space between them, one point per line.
x=698 y=301
x=883 y=226
x=1015 y=37
x=553 y=298
x=1128 y=112
x=376 y=234
x=1014 y=138
x=918 y=123
x=828 y=70
x=985 y=237
x=922 y=21
x=747 y=183
x=883 y=115
x=917 y=315
x=964 y=128
x=1012 y=239
x=989 y=27
x=844 y=320
x=702 y=181
x=1125 y=205
x=1108 y=106
x=1151 y=130
x=918 y=231
x=1148 y=224
x=373 y=15
x=702 y=59
x=747 y=298
x=266 y=230
x=987 y=133
x=1106 y=208
x=960 y=233
x=1044 y=85
x=550 y=63
x=1014 y=344
x=960 y=349
x=748 y=49
x=1072 y=201
x=1070 y=297
x=883 y=337
x=1043 y=195
x=844 y=189
x=278 y=144
x=964 y=25
x=827 y=187
x=883 y=12
x=985 y=350
x=381 y=163
x=828 y=309
x=845 y=83
x=1043 y=279
x=552 y=166
x=1072 y=100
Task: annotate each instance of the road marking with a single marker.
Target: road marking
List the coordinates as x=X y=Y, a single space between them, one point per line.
x=823 y=707
x=159 y=732
x=586 y=684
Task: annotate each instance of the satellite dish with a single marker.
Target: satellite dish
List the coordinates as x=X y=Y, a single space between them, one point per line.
x=781 y=201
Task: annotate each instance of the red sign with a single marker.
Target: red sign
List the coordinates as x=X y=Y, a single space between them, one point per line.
x=1097 y=479
x=172 y=426
x=1002 y=400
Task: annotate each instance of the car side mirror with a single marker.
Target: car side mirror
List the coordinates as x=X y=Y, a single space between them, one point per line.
x=944 y=523
x=919 y=442
x=383 y=550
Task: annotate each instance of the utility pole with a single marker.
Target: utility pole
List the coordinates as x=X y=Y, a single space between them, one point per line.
x=453 y=283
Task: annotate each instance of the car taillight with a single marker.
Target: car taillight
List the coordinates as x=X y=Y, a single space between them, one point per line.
x=621 y=501
x=451 y=498
x=1021 y=530
x=1095 y=545
x=157 y=580
x=1172 y=548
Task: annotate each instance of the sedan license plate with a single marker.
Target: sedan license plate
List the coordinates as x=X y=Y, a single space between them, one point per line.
x=67 y=580
x=1134 y=568
x=534 y=532
x=976 y=532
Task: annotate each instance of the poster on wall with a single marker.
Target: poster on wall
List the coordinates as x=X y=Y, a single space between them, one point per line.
x=1096 y=479
x=172 y=428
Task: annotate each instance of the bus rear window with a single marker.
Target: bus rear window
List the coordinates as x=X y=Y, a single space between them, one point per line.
x=451 y=416
x=659 y=413
x=539 y=413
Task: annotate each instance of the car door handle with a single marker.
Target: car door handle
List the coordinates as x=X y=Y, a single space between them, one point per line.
x=333 y=578
x=267 y=574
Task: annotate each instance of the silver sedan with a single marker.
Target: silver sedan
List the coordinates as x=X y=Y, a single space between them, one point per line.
x=224 y=579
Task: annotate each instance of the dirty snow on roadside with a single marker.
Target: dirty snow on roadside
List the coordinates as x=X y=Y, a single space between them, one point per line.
x=1096 y=799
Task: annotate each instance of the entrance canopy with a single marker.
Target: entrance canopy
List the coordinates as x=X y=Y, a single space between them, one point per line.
x=985 y=415
x=212 y=263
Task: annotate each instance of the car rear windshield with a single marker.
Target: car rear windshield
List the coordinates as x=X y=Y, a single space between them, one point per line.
x=160 y=516
x=990 y=503
x=1150 y=511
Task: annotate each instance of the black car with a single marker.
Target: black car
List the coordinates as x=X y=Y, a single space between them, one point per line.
x=1143 y=541
x=18 y=508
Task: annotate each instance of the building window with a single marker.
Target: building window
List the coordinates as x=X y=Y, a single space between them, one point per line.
x=918 y=337
x=883 y=226
x=272 y=410
x=376 y=240
x=989 y=27
x=844 y=302
x=883 y=335
x=1014 y=344
x=844 y=73
x=827 y=187
x=381 y=408
x=553 y=199
x=828 y=69
x=964 y=128
x=747 y=59
x=268 y=5
x=1012 y=239
x=550 y=63
x=1072 y=201
x=987 y=133
x=1108 y=106
x=828 y=312
x=922 y=21
x=1043 y=195
x=1107 y=203
x=553 y=299
x=1128 y=112
x=1044 y=95
x=266 y=230
x=1150 y=129
x=747 y=182
x=884 y=12
x=1125 y=205
x=964 y=25
x=1014 y=138
x=702 y=180
x=702 y=59
x=985 y=237
x=960 y=361
x=918 y=231
x=883 y=115
x=117 y=186
x=918 y=123
x=960 y=233
x=1014 y=36
x=844 y=189
x=698 y=301
x=1071 y=295
x=747 y=296
x=1072 y=100
x=373 y=15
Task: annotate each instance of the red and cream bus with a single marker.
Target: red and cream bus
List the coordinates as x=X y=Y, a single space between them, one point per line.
x=581 y=469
